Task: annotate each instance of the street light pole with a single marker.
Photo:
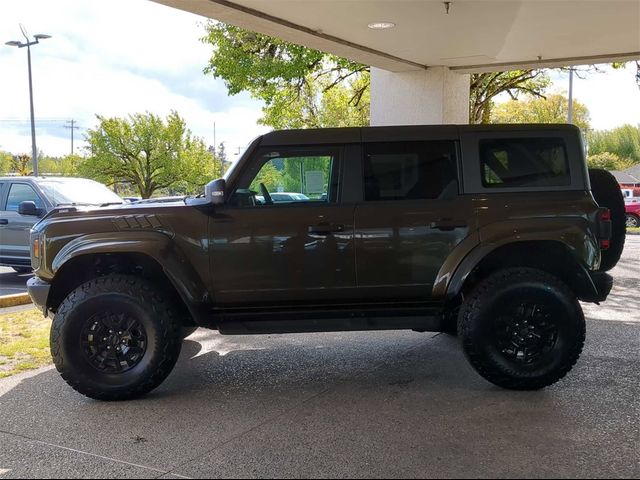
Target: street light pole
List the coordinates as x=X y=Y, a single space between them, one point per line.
x=570 y=112
x=34 y=150
x=14 y=43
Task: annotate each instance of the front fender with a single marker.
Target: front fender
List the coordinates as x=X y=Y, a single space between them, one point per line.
x=153 y=244
x=156 y=245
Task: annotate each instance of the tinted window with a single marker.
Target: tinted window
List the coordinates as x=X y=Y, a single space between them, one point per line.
x=288 y=177
x=410 y=170
x=524 y=162
x=20 y=192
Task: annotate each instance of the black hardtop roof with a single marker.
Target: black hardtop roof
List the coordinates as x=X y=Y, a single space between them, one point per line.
x=317 y=136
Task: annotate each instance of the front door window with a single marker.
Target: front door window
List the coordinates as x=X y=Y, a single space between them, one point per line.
x=291 y=177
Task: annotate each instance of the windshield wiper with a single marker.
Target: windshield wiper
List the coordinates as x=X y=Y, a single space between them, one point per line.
x=110 y=203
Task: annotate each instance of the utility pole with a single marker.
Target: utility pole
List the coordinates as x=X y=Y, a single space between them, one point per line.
x=72 y=127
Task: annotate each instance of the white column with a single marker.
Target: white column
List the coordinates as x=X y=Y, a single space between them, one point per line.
x=433 y=96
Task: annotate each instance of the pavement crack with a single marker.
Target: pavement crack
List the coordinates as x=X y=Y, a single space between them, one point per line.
x=81 y=452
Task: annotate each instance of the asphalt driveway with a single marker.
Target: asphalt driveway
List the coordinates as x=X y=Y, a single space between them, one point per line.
x=381 y=404
x=12 y=282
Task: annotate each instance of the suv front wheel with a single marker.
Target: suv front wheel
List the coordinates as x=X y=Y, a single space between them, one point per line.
x=522 y=329
x=115 y=338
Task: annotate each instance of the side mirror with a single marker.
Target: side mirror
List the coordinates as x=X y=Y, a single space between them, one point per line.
x=214 y=191
x=28 y=208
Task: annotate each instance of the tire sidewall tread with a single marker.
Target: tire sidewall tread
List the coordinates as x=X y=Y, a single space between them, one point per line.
x=479 y=301
x=167 y=336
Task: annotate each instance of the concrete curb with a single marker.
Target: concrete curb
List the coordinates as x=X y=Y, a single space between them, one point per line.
x=14 y=300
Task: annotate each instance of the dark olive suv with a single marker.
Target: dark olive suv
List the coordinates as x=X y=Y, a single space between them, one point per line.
x=488 y=232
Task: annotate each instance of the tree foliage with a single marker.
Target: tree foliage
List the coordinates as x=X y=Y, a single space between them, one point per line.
x=22 y=165
x=623 y=141
x=150 y=153
x=303 y=87
x=6 y=160
x=608 y=161
x=486 y=86
x=550 y=109
x=66 y=166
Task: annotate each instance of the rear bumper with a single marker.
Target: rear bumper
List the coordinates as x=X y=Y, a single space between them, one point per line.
x=602 y=283
x=39 y=292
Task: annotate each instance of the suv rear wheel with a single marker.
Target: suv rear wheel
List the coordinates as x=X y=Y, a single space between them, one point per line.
x=522 y=329
x=115 y=338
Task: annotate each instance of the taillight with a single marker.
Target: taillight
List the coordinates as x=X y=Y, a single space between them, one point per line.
x=605 y=228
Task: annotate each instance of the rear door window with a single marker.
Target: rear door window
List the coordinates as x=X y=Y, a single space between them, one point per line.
x=410 y=170
x=524 y=162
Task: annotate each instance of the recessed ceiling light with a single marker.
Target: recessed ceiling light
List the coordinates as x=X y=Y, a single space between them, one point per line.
x=381 y=25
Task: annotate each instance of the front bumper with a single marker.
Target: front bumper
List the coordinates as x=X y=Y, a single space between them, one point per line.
x=39 y=292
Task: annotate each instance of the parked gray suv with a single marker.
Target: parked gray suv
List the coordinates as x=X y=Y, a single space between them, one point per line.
x=25 y=200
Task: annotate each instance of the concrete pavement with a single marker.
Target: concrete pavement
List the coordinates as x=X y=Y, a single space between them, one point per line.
x=361 y=405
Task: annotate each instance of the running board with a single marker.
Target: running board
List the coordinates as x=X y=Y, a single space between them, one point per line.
x=327 y=320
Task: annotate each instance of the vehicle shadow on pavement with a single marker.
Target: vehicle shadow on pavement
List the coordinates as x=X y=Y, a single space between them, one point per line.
x=382 y=399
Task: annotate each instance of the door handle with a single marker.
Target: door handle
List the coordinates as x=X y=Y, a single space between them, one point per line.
x=4 y=221
x=325 y=229
x=446 y=224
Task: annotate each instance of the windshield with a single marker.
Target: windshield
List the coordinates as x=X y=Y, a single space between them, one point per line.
x=78 y=191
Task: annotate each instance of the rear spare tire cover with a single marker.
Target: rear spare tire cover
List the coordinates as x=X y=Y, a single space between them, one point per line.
x=607 y=193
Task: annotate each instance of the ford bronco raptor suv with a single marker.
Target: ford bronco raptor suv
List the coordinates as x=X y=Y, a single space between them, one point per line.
x=493 y=233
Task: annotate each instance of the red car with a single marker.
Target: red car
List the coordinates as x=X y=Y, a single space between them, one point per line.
x=632 y=209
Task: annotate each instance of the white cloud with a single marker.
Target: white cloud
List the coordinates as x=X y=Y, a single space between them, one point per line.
x=116 y=57
x=112 y=59
x=613 y=97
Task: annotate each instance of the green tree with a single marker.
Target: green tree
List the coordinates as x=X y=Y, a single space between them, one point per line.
x=623 y=141
x=303 y=87
x=486 y=86
x=6 y=160
x=270 y=176
x=148 y=152
x=66 y=166
x=608 y=161
x=22 y=165
x=550 y=109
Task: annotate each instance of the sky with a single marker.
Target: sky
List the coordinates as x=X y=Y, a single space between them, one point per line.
x=119 y=57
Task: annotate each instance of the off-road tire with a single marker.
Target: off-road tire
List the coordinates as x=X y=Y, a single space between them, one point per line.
x=120 y=294
x=606 y=191
x=632 y=221
x=481 y=312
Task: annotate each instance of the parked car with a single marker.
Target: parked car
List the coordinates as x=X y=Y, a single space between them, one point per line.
x=279 y=197
x=493 y=232
x=632 y=211
x=24 y=200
